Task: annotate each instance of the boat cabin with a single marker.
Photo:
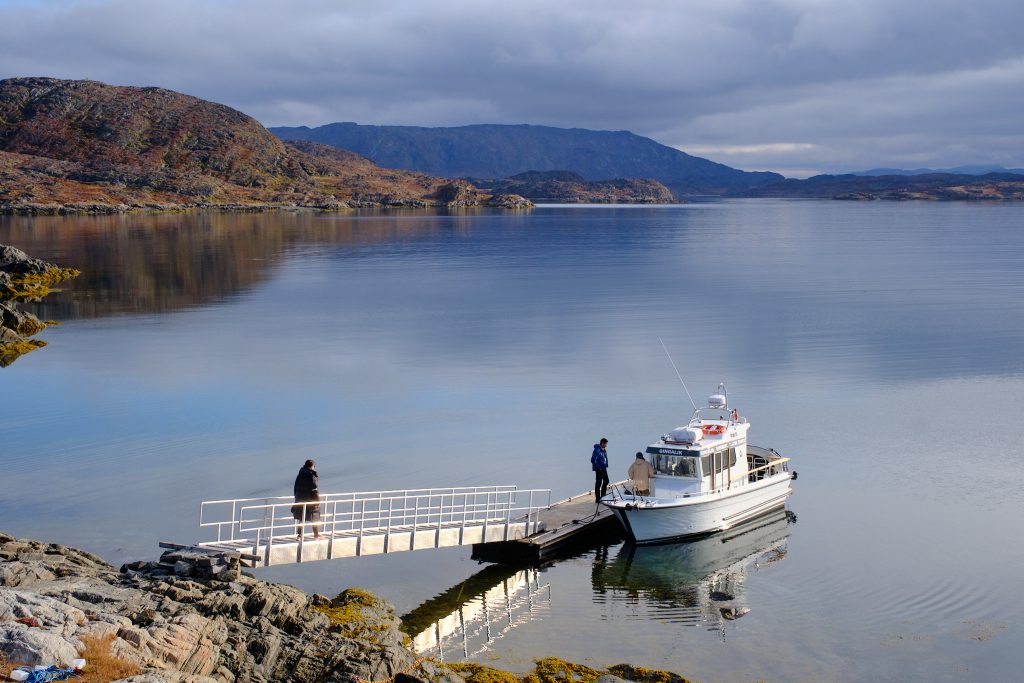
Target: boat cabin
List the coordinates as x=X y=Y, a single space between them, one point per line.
x=694 y=468
x=708 y=454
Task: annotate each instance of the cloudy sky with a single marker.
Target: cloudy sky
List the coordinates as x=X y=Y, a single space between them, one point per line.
x=795 y=86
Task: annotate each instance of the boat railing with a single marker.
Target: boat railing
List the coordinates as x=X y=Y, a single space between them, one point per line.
x=775 y=467
x=376 y=511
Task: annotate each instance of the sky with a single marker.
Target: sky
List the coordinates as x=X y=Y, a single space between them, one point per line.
x=794 y=86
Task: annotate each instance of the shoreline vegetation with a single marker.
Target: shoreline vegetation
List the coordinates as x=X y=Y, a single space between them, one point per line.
x=193 y=618
x=23 y=278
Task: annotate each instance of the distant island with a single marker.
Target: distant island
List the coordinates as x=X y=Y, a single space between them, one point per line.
x=932 y=186
x=970 y=169
x=569 y=187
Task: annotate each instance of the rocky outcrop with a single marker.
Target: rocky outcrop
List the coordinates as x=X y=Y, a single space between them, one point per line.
x=15 y=261
x=169 y=619
x=23 y=277
x=458 y=194
x=509 y=201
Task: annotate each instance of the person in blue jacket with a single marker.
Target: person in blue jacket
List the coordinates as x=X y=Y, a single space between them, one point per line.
x=599 y=463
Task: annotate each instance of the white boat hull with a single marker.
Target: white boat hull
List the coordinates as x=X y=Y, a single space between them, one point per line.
x=652 y=520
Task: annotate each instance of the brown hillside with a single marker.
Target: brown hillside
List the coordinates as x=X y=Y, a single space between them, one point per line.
x=150 y=128
x=84 y=145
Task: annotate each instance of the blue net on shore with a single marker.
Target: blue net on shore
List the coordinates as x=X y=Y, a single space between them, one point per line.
x=50 y=673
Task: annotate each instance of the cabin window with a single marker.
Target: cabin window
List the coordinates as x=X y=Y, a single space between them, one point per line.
x=676 y=465
x=723 y=460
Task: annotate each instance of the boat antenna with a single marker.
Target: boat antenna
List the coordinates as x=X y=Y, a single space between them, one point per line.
x=677 y=374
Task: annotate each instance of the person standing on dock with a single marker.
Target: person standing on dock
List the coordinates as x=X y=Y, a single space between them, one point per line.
x=641 y=472
x=307 y=490
x=599 y=463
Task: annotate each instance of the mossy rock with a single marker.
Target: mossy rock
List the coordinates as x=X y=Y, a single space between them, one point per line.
x=472 y=672
x=23 y=292
x=642 y=675
x=12 y=351
x=554 y=670
x=50 y=276
x=359 y=614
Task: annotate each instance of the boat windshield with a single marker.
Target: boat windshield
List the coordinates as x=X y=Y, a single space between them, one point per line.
x=676 y=465
x=705 y=413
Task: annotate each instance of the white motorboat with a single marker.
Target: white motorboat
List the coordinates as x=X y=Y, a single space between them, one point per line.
x=707 y=478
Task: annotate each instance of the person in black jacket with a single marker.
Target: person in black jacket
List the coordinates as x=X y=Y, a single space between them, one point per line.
x=307 y=489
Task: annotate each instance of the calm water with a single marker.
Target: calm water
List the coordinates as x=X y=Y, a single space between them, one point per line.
x=878 y=344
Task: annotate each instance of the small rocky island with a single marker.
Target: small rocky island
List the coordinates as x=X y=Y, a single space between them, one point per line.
x=571 y=188
x=23 y=278
x=191 y=617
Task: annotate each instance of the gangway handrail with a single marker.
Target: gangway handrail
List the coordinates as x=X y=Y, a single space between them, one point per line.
x=366 y=493
x=380 y=511
x=235 y=502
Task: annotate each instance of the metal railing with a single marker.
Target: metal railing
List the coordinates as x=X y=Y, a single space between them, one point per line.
x=772 y=470
x=261 y=520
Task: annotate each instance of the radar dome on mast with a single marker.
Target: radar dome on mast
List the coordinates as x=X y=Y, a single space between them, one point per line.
x=720 y=400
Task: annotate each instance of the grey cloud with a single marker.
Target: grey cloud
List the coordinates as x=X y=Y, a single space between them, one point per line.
x=845 y=83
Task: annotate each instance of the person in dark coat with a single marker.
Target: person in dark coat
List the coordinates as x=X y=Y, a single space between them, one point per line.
x=599 y=463
x=307 y=489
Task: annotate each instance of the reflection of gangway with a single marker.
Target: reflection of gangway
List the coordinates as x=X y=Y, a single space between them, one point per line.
x=477 y=620
x=264 y=530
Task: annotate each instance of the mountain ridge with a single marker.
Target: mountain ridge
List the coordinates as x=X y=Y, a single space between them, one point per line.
x=499 y=151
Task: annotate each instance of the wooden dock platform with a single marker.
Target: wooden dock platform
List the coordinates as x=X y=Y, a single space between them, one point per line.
x=566 y=525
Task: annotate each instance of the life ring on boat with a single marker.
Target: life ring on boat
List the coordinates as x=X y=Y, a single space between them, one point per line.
x=713 y=430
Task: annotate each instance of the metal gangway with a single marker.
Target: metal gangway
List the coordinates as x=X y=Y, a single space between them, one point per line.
x=265 y=530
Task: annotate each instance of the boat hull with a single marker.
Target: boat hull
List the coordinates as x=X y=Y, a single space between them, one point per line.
x=648 y=520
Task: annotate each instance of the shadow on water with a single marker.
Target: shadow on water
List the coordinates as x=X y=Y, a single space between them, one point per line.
x=700 y=582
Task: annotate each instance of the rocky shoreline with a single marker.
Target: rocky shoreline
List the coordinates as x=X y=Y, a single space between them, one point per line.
x=23 y=278
x=497 y=201
x=194 y=618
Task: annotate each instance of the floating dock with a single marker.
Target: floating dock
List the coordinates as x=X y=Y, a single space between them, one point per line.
x=563 y=526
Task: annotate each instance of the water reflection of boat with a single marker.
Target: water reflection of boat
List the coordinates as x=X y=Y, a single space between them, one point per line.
x=697 y=582
x=464 y=620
